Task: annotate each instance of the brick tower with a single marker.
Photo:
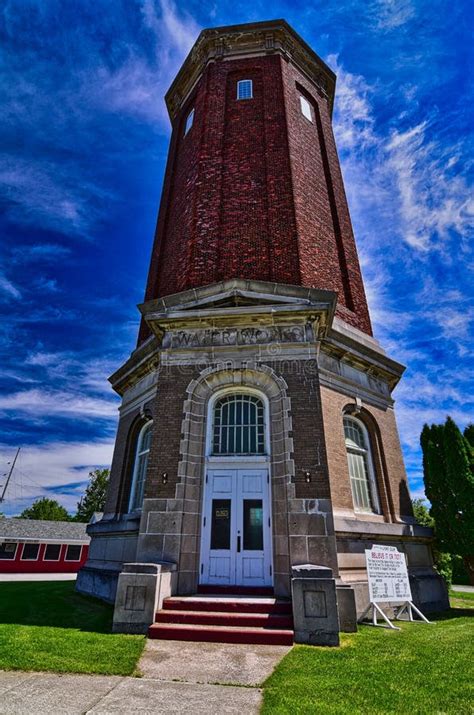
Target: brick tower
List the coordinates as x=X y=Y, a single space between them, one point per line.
x=257 y=431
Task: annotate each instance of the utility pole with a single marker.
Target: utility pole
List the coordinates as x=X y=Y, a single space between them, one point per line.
x=2 y=498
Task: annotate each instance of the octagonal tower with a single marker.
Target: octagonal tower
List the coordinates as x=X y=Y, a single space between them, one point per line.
x=257 y=431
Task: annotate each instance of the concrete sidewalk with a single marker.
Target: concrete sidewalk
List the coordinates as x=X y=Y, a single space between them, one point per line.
x=178 y=677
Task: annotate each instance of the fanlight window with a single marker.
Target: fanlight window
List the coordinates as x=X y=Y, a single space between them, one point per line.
x=361 y=471
x=140 y=467
x=239 y=425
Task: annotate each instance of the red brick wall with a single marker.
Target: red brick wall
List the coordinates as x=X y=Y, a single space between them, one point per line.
x=254 y=190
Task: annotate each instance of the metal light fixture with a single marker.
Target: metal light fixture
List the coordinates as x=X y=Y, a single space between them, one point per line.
x=307 y=476
x=164 y=478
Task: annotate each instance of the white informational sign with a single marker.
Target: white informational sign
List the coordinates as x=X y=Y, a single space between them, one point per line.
x=388 y=575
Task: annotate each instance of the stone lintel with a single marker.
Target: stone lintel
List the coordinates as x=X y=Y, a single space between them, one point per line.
x=359 y=528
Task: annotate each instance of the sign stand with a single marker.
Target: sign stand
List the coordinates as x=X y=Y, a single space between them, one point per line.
x=409 y=607
x=388 y=582
x=376 y=609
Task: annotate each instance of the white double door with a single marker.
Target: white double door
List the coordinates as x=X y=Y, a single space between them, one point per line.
x=236 y=546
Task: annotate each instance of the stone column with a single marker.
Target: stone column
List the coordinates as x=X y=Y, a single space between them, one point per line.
x=140 y=593
x=315 y=613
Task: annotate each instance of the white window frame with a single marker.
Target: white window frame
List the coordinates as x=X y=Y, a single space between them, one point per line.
x=306 y=109
x=189 y=121
x=237 y=455
x=244 y=459
x=31 y=543
x=46 y=548
x=138 y=454
x=372 y=487
x=80 y=553
x=242 y=83
x=10 y=543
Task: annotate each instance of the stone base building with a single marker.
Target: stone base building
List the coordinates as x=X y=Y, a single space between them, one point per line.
x=257 y=431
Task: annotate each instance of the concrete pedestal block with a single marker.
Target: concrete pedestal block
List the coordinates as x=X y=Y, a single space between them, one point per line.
x=346 y=608
x=315 y=613
x=140 y=593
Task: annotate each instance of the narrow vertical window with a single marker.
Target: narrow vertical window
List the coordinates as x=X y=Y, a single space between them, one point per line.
x=189 y=121
x=361 y=469
x=306 y=108
x=244 y=89
x=140 y=466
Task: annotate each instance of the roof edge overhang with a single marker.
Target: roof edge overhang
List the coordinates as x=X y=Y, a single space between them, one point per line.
x=254 y=38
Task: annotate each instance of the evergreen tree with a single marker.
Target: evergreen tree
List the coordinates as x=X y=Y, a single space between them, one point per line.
x=94 y=497
x=46 y=510
x=469 y=435
x=449 y=485
x=443 y=560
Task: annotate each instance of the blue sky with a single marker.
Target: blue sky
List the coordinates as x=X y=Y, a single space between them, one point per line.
x=84 y=141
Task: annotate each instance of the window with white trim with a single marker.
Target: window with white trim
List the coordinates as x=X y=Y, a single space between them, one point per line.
x=140 y=466
x=189 y=121
x=244 y=89
x=8 y=551
x=306 y=108
x=73 y=552
x=239 y=425
x=52 y=552
x=30 y=552
x=361 y=469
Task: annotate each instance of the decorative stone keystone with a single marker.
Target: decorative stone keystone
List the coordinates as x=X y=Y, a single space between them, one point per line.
x=140 y=593
x=315 y=613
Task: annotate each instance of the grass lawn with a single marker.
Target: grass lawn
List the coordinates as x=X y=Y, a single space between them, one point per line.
x=460 y=599
x=420 y=670
x=45 y=625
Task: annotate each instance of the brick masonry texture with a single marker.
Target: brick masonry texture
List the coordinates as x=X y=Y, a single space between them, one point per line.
x=386 y=453
x=254 y=190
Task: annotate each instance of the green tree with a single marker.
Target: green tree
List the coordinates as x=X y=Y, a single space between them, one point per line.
x=449 y=485
x=95 y=494
x=443 y=561
x=469 y=435
x=46 y=510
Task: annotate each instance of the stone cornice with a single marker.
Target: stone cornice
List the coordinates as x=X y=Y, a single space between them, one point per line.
x=251 y=39
x=143 y=360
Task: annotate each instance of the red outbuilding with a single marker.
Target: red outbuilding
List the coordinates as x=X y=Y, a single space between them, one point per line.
x=28 y=546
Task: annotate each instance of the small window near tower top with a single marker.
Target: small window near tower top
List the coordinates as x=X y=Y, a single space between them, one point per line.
x=306 y=108
x=244 y=89
x=189 y=121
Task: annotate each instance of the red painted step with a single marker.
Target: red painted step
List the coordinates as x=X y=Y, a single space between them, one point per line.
x=228 y=605
x=222 y=618
x=220 y=634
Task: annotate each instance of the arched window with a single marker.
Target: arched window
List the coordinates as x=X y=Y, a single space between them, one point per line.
x=239 y=425
x=361 y=469
x=137 y=489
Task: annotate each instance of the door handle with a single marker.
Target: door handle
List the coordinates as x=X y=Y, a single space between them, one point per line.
x=238 y=544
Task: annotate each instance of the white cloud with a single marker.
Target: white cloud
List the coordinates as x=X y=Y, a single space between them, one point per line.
x=49 y=403
x=392 y=14
x=7 y=287
x=137 y=87
x=53 y=465
x=48 y=194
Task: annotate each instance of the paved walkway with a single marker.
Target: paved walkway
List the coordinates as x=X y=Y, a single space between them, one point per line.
x=178 y=677
x=38 y=576
x=463 y=589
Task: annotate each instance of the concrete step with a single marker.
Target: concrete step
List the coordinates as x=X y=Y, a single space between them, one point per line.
x=228 y=604
x=224 y=618
x=236 y=590
x=221 y=634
